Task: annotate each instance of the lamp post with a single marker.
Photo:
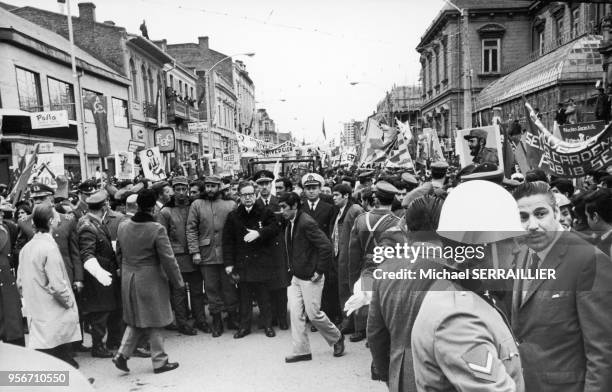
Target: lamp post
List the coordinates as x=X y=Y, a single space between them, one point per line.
x=209 y=109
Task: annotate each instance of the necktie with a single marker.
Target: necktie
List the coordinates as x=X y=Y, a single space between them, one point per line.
x=266 y=202
x=534 y=264
x=312 y=207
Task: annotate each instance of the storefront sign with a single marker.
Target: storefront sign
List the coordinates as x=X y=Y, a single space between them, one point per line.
x=135 y=145
x=45 y=148
x=165 y=139
x=53 y=119
x=197 y=127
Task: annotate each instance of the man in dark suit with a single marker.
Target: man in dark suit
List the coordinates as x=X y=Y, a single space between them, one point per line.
x=248 y=254
x=562 y=324
x=322 y=213
x=598 y=210
x=309 y=254
x=346 y=213
x=278 y=285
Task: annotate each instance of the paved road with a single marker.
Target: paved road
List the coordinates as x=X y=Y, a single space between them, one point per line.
x=254 y=363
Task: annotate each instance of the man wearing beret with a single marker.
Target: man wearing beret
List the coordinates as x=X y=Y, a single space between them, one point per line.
x=101 y=294
x=477 y=141
x=205 y=222
x=365 y=236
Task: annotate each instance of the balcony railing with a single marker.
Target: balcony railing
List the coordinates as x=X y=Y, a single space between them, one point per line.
x=193 y=114
x=576 y=32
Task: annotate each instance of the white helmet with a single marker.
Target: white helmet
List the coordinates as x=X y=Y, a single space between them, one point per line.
x=479 y=212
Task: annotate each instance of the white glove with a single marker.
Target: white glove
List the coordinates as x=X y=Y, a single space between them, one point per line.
x=358 y=300
x=103 y=276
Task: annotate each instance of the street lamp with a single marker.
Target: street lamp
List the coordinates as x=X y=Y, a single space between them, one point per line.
x=209 y=108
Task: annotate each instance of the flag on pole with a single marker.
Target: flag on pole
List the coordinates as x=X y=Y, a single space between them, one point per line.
x=400 y=157
x=404 y=129
x=379 y=140
x=22 y=183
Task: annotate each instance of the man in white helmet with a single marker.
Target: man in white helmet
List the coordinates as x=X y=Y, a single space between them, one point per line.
x=457 y=336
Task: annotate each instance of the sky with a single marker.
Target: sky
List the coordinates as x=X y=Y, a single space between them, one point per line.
x=307 y=53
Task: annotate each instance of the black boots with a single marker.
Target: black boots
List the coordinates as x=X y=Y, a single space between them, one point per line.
x=121 y=362
x=217 y=325
x=100 y=351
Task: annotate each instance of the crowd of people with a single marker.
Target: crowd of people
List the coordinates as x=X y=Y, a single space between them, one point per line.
x=122 y=260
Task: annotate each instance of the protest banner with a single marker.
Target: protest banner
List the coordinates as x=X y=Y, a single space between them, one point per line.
x=580 y=132
x=124 y=165
x=566 y=159
x=46 y=168
x=152 y=164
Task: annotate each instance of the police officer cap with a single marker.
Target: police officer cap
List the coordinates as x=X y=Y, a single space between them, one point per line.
x=40 y=190
x=180 y=180
x=409 y=178
x=88 y=187
x=439 y=167
x=365 y=175
x=159 y=185
x=479 y=133
x=263 y=176
x=385 y=190
x=312 y=179
x=212 y=180
x=97 y=198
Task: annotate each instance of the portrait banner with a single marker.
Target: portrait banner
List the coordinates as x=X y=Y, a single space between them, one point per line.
x=479 y=145
x=124 y=165
x=152 y=164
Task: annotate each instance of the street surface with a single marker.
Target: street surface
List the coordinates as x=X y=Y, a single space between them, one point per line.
x=254 y=363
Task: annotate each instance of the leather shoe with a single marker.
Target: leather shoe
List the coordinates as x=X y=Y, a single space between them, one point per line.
x=202 y=327
x=339 y=347
x=357 y=336
x=166 y=368
x=121 y=362
x=270 y=332
x=171 y=327
x=282 y=324
x=101 y=352
x=187 y=330
x=141 y=353
x=79 y=348
x=242 y=332
x=298 y=358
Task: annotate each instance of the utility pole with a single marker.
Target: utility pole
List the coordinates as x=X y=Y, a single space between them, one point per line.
x=78 y=102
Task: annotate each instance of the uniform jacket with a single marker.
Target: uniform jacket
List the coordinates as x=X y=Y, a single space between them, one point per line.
x=463 y=342
x=11 y=325
x=66 y=237
x=95 y=243
x=308 y=249
x=323 y=214
x=174 y=220
x=399 y=307
x=564 y=325
x=147 y=268
x=53 y=318
x=253 y=261
x=282 y=276
x=111 y=221
x=205 y=228
x=486 y=154
x=81 y=209
x=360 y=249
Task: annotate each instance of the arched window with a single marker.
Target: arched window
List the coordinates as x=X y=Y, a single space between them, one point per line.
x=134 y=79
x=145 y=89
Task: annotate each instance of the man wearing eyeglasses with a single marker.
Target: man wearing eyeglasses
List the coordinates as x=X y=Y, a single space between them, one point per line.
x=248 y=253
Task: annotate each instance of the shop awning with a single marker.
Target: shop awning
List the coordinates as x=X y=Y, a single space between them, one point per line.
x=578 y=60
x=17 y=122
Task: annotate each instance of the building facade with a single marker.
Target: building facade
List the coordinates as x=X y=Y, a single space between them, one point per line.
x=495 y=38
x=36 y=75
x=402 y=103
x=244 y=88
x=221 y=99
x=563 y=64
x=133 y=56
x=265 y=128
x=351 y=132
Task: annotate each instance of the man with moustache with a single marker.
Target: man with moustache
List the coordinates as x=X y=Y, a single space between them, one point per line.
x=173 y=216
x=562 y=325
x=207 y=216
x=477 y=142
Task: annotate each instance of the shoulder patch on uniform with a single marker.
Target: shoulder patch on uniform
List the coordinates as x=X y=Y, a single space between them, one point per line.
x=481 y=362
